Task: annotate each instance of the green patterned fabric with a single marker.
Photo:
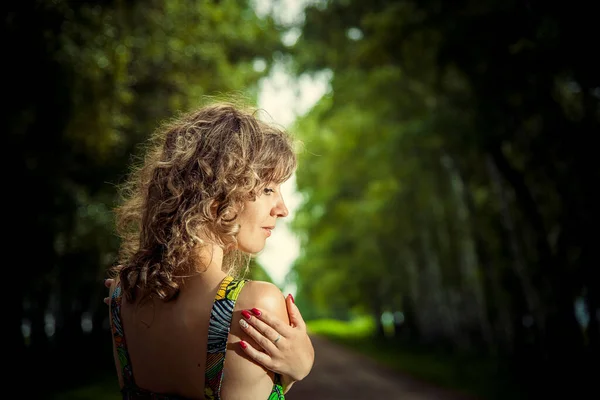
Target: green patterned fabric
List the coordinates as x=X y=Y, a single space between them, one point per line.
x=218 y=331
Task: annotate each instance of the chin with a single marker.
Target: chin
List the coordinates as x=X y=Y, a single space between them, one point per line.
x=251 y=249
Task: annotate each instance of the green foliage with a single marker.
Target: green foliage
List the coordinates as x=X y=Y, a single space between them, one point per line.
x=442 y=172
x=135 y=64
x=105 y=75
x=257 y=272
x=126 y=66
x=358 y=327
x=448 y=173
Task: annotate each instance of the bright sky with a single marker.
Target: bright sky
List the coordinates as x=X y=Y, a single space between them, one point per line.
x=285 y=98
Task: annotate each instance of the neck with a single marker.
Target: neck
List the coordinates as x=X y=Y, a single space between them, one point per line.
x=210 y=260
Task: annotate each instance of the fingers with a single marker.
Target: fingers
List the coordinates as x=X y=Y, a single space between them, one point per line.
x=108 y=283
x=272 y=322
x=294 y=313
x=258 y=356
x=264 y=341
x=267 y=331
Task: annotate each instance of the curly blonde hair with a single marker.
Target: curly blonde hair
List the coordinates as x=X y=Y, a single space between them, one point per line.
x=197 y=172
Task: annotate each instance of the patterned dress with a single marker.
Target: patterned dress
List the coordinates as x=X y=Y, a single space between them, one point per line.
x=218 y=331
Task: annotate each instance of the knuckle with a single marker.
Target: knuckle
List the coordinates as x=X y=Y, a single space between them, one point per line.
x=263 y=341
x=270 y=333
x=262 y=358
x=267 y=363
x=265 y=331
x=255 y=322
x=253 y=334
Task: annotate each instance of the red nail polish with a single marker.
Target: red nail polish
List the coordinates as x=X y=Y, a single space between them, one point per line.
x=243 y=344
x=256 y=312
x=246 y=314
x=292 y=297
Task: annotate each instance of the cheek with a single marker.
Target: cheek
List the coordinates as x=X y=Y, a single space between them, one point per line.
x=247 y=226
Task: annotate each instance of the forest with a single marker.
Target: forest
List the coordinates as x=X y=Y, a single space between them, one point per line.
x=447 y=176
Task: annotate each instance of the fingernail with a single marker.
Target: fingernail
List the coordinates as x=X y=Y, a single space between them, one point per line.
x=244 y=324
x=256 y=312
x=243 y=344
x=246 y=314
x=292 y=297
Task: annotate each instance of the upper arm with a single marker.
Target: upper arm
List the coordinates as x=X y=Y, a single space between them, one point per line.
x=267 y=298
x=245 y=375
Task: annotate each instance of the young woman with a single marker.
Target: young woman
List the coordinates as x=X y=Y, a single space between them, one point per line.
x=206 y=196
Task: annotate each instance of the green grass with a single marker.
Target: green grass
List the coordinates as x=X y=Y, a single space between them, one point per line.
x=467 y=373
x=358 y=328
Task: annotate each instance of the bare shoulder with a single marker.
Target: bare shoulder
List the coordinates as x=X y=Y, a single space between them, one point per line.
x=266 y=297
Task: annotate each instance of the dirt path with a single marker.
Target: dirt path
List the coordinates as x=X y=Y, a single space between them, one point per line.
x=341 y=374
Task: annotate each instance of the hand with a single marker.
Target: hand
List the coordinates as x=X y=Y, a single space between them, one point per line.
x=291 y=353
x=108 y=283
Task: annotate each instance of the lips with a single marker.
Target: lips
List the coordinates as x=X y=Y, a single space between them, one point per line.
x=268 y=230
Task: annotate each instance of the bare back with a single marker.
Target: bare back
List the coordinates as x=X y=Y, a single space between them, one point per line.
x=167 y=343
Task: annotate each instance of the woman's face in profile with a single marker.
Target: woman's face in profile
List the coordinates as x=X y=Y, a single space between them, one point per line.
x=258 y=219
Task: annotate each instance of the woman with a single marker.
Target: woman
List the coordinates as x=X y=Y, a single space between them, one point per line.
x=206 y=195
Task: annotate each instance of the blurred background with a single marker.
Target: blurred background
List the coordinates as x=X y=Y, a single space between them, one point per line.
x=444 y=208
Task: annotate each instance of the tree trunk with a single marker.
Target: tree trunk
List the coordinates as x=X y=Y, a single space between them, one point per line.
x=519 y=260
x=468 y=261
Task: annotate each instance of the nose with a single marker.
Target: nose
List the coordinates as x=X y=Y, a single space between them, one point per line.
x=280 y=209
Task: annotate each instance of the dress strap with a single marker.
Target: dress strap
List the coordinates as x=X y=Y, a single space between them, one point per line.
x=119 y=337
x=218 y=331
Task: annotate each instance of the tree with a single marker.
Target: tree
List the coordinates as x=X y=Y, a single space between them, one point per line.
x=105 y=74
x=451 y=159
